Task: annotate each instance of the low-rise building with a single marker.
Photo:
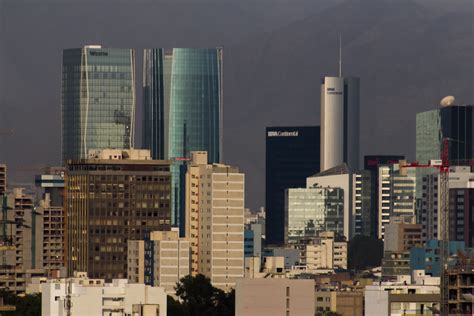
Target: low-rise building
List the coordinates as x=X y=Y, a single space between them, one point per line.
x=257 y=297
x=95 y=297
x=326 y=253
x=403 y=298
x=160 y=260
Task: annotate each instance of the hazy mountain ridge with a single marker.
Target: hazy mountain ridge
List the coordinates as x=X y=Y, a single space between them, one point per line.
x=408 y=54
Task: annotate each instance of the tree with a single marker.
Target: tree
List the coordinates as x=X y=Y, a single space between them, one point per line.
x=198 y=297
x=365 y=252
x=29 y=304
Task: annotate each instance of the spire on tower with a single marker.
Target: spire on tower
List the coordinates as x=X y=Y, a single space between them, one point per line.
x=340 y=56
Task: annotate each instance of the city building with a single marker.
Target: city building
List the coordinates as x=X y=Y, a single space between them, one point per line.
x=183 y=108
x=461 y=201
x=3 y=179
x=274 y=296
x=366 y=194
x=451 y=121
x=427 y=257
x=215 y=220
x=313 y=210
x=326 y=253
x=401 y=234
x=111 y=197
x=396 y=194
x=52 y=221
x=97 y=100
x=292 y=256
x=397 y=299
x=340 y=119
x=162 y=259
x=460 y=284
x=21 y=252
x=253 y=240
x=292 y=154
x=338 y=177
x=95 y=297
x=344 y=302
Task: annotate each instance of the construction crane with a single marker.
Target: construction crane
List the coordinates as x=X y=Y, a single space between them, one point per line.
x=443 y=189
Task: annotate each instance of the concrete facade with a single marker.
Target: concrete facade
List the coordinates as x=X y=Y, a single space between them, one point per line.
x=340 y=122
x=326 y=253
x=95 y=297
x=215 y=220
x=115 y=196
x=257 y=297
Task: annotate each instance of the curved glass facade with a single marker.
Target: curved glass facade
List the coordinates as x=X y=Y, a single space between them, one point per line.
x=183 y=108
x=98 y=100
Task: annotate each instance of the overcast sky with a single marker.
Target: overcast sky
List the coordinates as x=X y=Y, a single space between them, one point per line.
x=408 y=54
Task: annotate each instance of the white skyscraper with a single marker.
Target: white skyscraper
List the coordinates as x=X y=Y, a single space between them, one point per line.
x=339 y=122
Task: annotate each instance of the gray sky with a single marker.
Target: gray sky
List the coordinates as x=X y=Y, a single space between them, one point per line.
x=408 y=54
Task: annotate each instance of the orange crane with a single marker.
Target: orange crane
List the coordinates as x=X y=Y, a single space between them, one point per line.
x=443 y=189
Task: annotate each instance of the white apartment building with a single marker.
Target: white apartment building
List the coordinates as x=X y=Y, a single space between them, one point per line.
x=160 y=261
x=215 y=220
x=95 y=297
x=397 y=194
x=460 y=178
x=326 y=253
x=400 y=298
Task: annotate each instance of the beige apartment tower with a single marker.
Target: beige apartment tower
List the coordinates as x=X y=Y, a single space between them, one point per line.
x=167 y=260
x=215 y=220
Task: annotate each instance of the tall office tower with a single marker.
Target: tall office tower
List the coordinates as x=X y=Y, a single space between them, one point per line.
x=183 y=102
x=396 y=192
x=3 y=179
x=311 y=211
x=52 y=221
x=449 y=121
x=292 y=154
x=98 y=100
x=111 y=197
x=365 y=201
x=215 y=220
x=339 y=122
x=162 y=259
x=461 y=200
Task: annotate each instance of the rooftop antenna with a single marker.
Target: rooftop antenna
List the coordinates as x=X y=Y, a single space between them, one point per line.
x=340 y=56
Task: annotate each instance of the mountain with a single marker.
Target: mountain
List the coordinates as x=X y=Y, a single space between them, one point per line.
x=408 y=54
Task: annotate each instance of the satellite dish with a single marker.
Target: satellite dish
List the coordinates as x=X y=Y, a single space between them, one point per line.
x=447 y=101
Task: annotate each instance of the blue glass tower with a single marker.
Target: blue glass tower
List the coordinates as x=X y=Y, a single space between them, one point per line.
x=98 y=100
x=183 y=109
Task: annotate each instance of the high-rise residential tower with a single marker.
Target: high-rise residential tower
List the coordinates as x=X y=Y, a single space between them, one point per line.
x=98 y=100
x=183 y=101
x=339 y=122
x=215 y=196
x=292 y=155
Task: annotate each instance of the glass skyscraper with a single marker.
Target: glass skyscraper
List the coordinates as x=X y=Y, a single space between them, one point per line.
x=183 y=108
x=292 y=155
x=98 y=100
x=454 y=122
x=311 y=211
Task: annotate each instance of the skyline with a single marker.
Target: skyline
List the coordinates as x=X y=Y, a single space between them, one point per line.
x=253 y=93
